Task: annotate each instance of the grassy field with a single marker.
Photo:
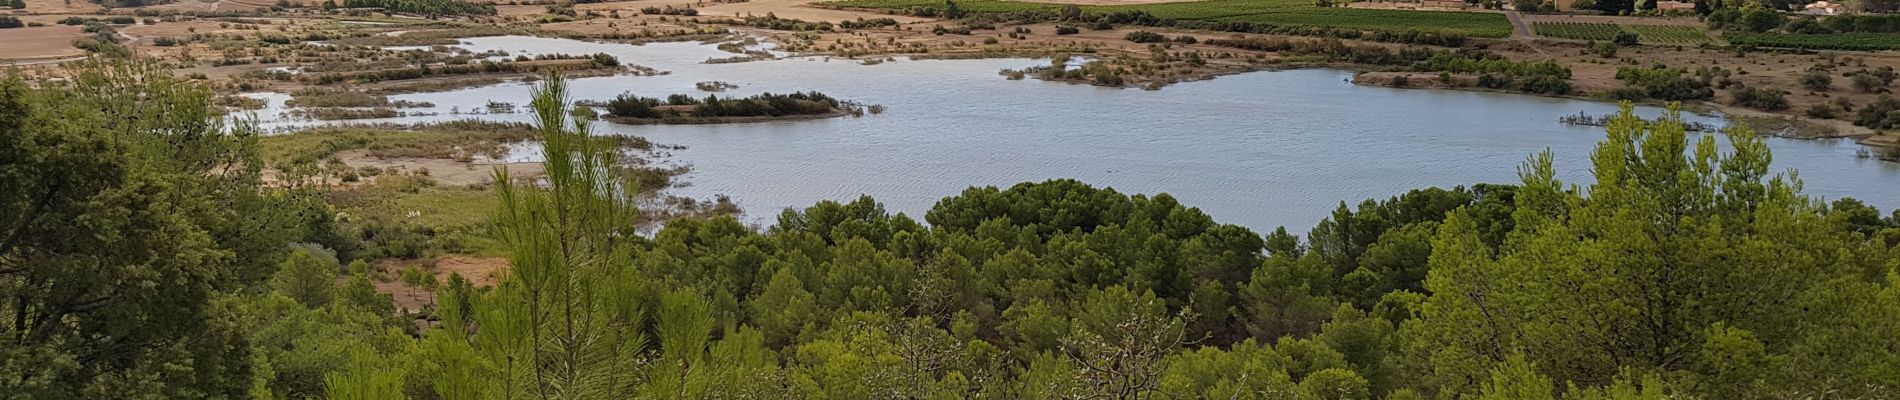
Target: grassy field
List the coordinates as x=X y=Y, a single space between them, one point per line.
x=1649 y=34
x=1276 y=12
x=1836 y=41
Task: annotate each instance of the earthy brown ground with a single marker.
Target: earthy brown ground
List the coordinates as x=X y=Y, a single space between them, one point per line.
x=39 y=43
x=444 y=171
x=62 y=7
x=479 y=271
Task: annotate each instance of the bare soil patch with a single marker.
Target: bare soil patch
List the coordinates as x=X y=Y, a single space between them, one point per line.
x=62 y=7
x=444 y=171
x=40 y=43
x=479 y=271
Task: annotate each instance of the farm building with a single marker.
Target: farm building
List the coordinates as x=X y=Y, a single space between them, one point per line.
x=1824 y=7
x=1667 y=6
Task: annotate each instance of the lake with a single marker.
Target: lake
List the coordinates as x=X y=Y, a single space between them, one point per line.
x=1260 y=149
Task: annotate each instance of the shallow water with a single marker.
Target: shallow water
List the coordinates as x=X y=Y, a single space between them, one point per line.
x=1260 y=149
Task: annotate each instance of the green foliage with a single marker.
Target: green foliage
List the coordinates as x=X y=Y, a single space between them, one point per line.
x=127 y=203
x=1661 y=83
x=1770 y=99
x=1334 y=384
x=1863 y=41
x=1588 y=286
x=1818 y=81
x=1146 y=37
x=1883 y=113
x=306 y=278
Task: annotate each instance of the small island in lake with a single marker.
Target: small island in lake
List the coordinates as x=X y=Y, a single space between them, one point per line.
x=712 y=109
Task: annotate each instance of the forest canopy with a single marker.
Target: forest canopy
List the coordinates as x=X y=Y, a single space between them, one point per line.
x=142 y=258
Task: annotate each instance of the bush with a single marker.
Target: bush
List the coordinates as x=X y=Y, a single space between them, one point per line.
x=1769 y=99
x=1605 y=50
x=1823 y=111
x=1872 y=81
x=1817 y=80
x=1624 y=39
x=629 y=105
x=1883 y=113
x=1146 y=37
x=1661 y=83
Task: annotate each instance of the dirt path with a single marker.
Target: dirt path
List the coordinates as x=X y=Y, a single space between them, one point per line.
x=1519 y=29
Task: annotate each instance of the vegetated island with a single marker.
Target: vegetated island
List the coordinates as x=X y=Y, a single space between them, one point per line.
x=712 y=109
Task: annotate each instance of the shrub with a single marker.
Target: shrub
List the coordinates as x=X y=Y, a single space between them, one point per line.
x=1605 y=50
x=629 y=105
x=1661 y=83
x=1146 y=37
x=1624 y=39
x=1883 y=113
x=1871 y=82
x=1769 y=99
x=1823 y=111
x=1817 y=80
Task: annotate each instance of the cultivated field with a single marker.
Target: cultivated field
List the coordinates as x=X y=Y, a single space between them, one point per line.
x=1274 y=12
x=1650 y=34
x=1837 y=41
x=39 y=43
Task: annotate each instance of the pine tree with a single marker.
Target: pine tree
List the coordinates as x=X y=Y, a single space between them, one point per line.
x=566 y=323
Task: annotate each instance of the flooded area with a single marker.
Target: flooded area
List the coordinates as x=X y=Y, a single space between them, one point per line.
x=1261 y=149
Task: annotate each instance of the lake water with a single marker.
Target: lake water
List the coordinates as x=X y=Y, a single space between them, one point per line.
x=1260 y=149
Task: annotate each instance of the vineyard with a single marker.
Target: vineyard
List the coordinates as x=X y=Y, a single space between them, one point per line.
x=1834 y=41
x=1653 y=34
x=1275 y=12
x=1666 y=34
x=1578 y=30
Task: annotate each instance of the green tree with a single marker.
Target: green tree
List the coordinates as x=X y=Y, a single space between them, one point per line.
x=784 y=309
x=125 y=203
x=565 y=324
x=1669 y=241
x=307 y=278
